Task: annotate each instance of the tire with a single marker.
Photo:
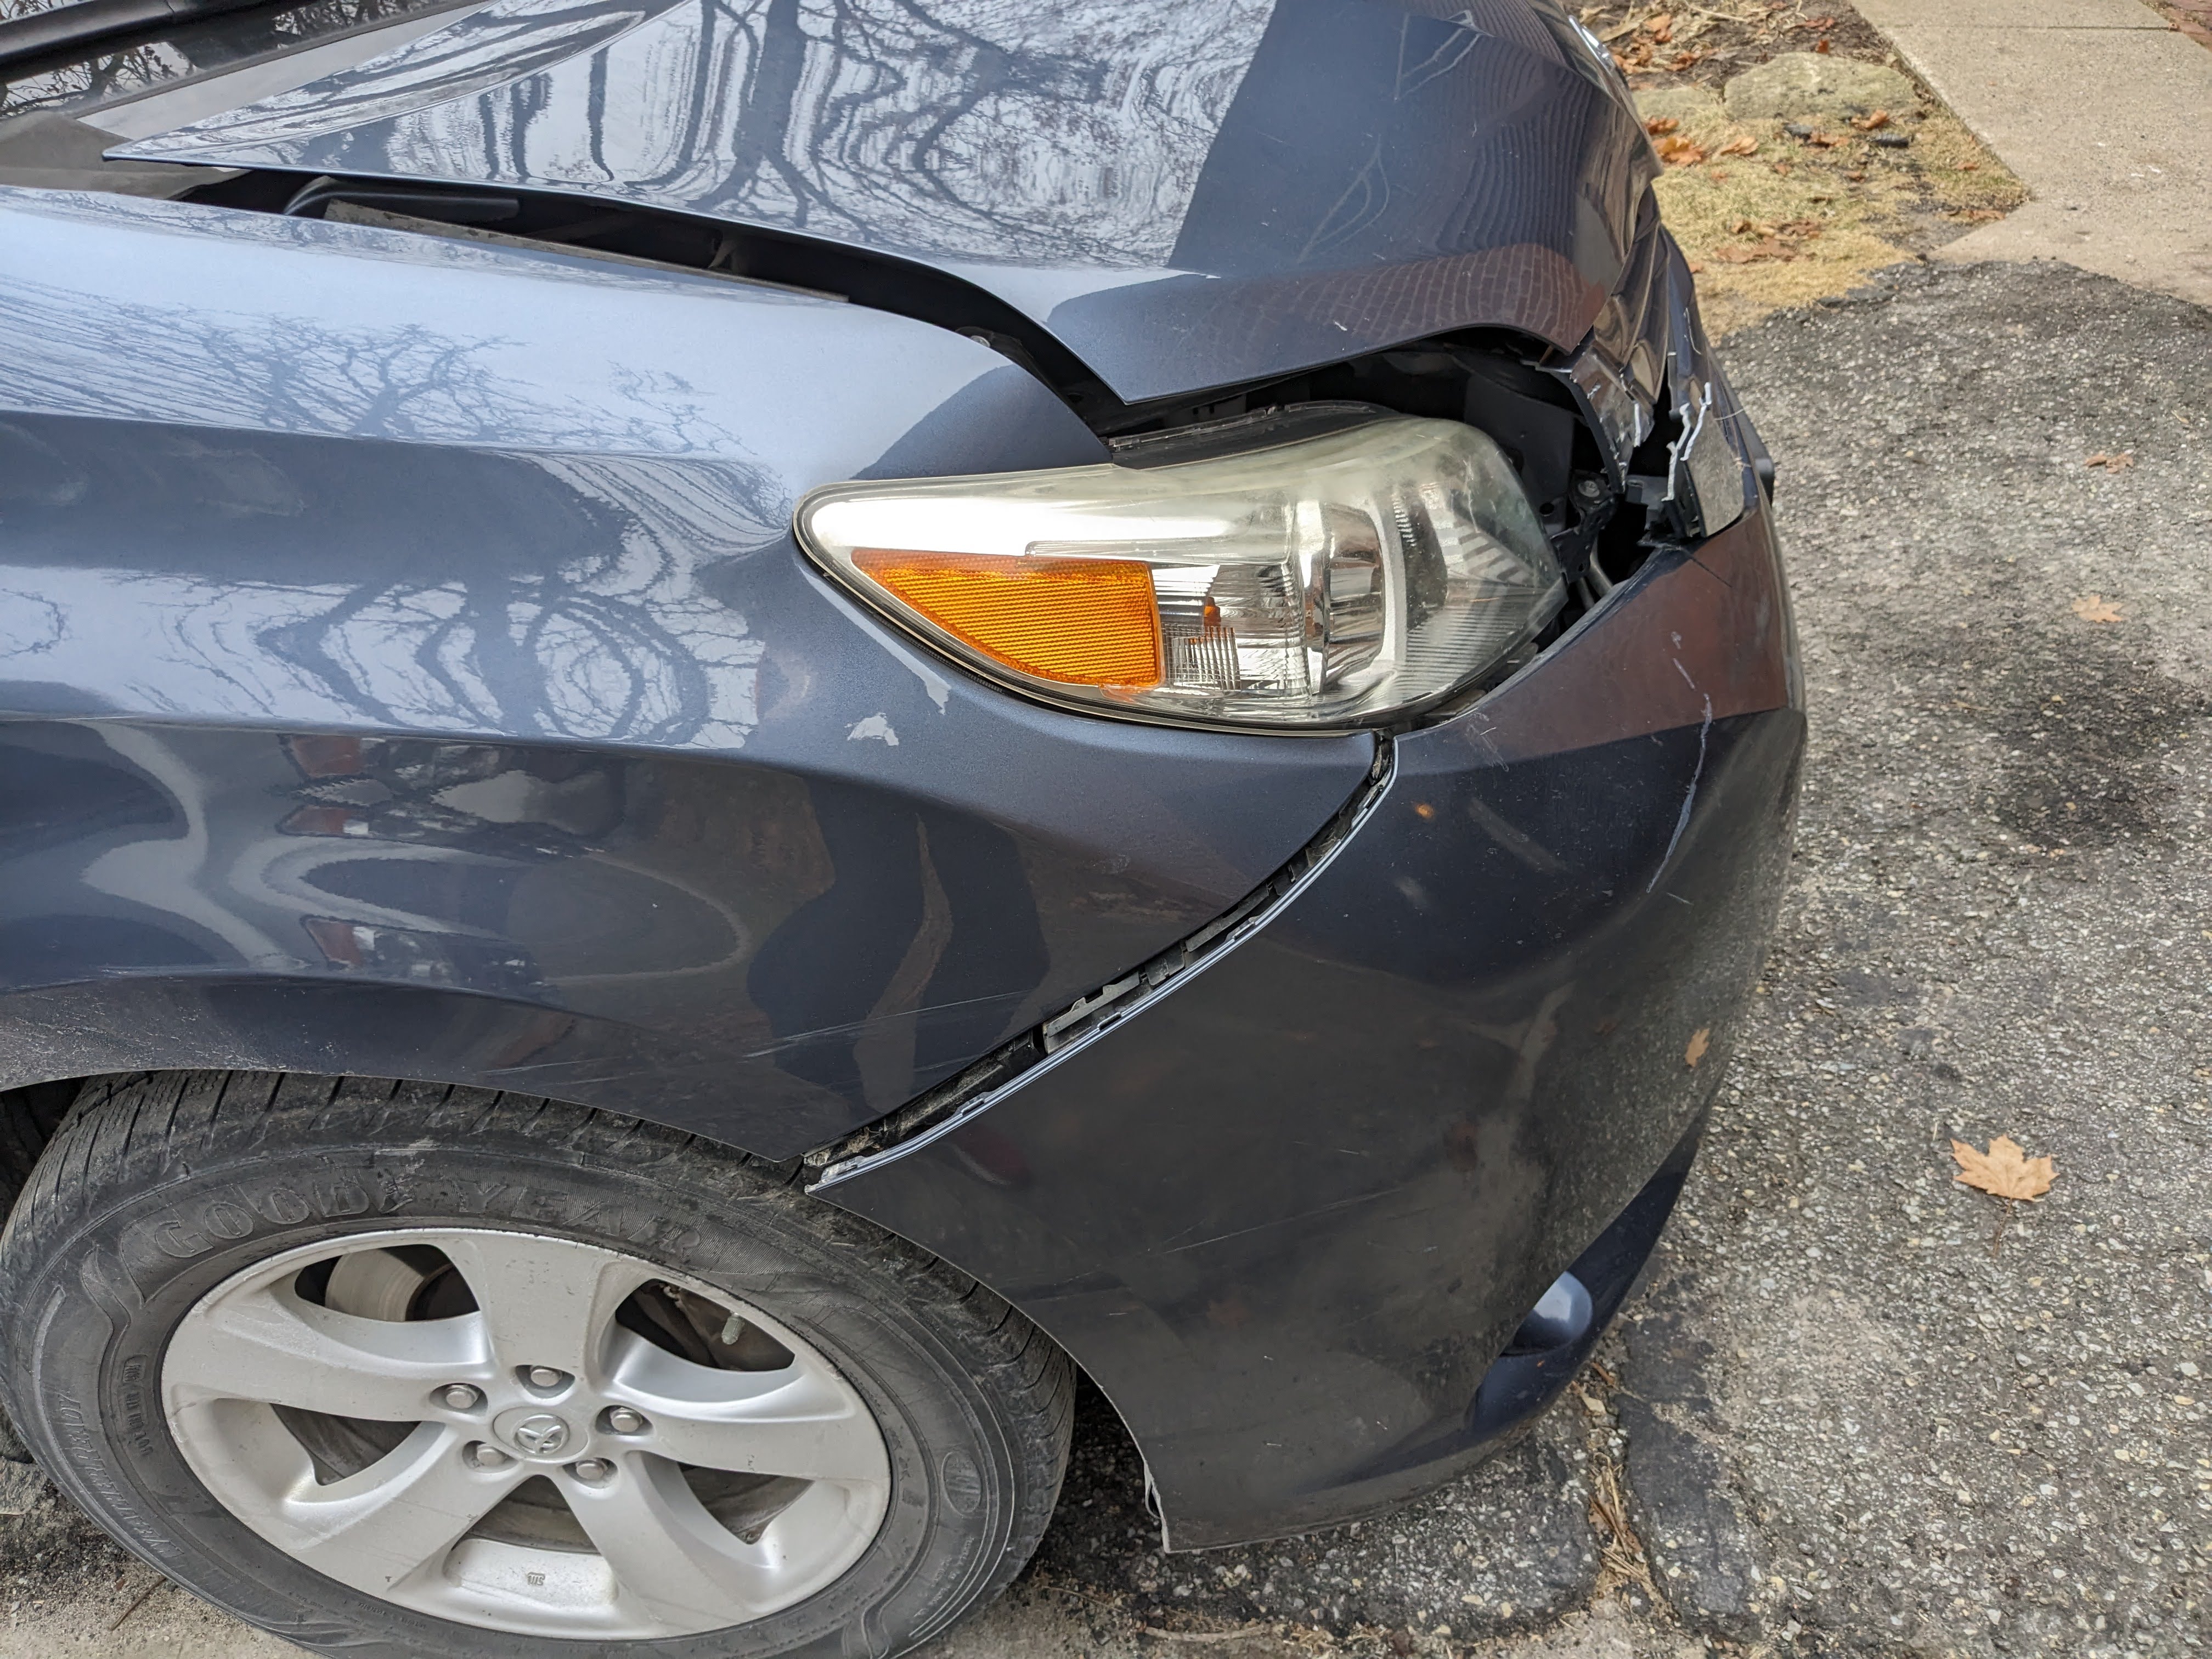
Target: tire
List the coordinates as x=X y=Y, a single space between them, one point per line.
x=171 y=1207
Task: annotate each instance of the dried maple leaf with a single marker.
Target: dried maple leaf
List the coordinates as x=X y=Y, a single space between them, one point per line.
x=1660 y=125
x=1744 y=144
x=1683 y=60
x=1879 y=119
x=2118 y=461
x=1677 y=151
x=2096 y=608
x=1700 y=1040
x=1660 y=28
x=2004 y=1170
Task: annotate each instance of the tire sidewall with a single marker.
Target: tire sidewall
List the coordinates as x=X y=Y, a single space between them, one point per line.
x=105 y=1290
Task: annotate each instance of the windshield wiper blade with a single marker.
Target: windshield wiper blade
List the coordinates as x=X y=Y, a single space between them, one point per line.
x=43 y=33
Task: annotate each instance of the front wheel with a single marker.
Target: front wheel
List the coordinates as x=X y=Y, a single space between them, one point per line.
x=400 y=1370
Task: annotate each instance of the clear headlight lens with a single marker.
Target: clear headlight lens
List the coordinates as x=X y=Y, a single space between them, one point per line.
x=1313 y=580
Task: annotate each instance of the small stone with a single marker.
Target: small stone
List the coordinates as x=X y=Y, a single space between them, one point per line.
x=1802 y=84
x=22 y=1487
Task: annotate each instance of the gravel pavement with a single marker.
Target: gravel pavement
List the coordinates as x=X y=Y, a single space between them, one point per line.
x=1857 y=1408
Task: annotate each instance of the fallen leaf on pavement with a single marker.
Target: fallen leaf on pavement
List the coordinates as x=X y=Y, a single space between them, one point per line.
x=2118 y=461
x=2096 y=608
x=1700 y=1040
x=1660 y=125
x=2004 y=1170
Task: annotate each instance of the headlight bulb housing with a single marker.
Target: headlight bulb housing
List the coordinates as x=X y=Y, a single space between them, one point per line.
x=1314 y=569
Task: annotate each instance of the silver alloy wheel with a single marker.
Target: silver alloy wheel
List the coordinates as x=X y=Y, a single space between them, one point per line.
x=741 y=1491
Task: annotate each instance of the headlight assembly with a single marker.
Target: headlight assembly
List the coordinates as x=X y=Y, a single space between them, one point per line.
x=1304 y=580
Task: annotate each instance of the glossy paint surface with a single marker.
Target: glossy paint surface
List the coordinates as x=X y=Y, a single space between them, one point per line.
x=1288 y=1215
x=1185 y=192
x=406 y=670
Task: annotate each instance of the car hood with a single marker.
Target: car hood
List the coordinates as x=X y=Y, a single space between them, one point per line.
x=1186 y=193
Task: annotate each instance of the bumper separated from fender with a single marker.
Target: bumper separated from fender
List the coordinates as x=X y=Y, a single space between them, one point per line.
x=1291 y=1216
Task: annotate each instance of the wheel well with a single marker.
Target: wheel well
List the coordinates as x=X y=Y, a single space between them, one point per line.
x=31 y=1113
x=28 y=1117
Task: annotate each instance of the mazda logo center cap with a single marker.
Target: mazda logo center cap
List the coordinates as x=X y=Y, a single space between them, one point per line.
x=537 y=1434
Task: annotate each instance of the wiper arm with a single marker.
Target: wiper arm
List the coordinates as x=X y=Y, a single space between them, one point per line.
x=43 y=33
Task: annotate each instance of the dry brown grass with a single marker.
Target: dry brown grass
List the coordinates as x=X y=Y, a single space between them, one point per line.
x=1796 y=220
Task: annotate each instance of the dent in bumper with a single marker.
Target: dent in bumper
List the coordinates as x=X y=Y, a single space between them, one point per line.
x=1289 y=1216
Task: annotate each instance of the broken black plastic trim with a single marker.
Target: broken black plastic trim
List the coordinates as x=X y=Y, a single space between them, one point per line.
x=1091 y=1016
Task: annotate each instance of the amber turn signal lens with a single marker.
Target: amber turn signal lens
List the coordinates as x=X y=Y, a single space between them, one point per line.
x=1081 y=621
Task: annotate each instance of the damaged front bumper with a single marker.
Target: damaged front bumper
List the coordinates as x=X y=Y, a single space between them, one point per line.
x=1296 y=1215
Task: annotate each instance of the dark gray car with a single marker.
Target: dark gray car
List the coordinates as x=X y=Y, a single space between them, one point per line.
x=736 y=732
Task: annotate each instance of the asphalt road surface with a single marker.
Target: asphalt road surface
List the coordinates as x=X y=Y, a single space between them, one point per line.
x=1857 y=1408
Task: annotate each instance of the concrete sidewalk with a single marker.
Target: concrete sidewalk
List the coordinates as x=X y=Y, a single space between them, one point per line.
x=2104 y=111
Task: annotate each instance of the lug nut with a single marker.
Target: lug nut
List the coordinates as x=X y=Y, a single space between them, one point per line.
x=459 y=1396
x=592 y=1470
x=481 y=1456
x=543 y=1376
x=622 y=1421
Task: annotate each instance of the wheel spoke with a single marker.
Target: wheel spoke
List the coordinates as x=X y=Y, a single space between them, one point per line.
x=674 y=1562
x=543 y=1301
x=267 y=1344
x=397 y=1518
x=801 y=1421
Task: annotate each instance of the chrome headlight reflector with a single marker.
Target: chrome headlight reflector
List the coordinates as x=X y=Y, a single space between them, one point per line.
x=1313 y=582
